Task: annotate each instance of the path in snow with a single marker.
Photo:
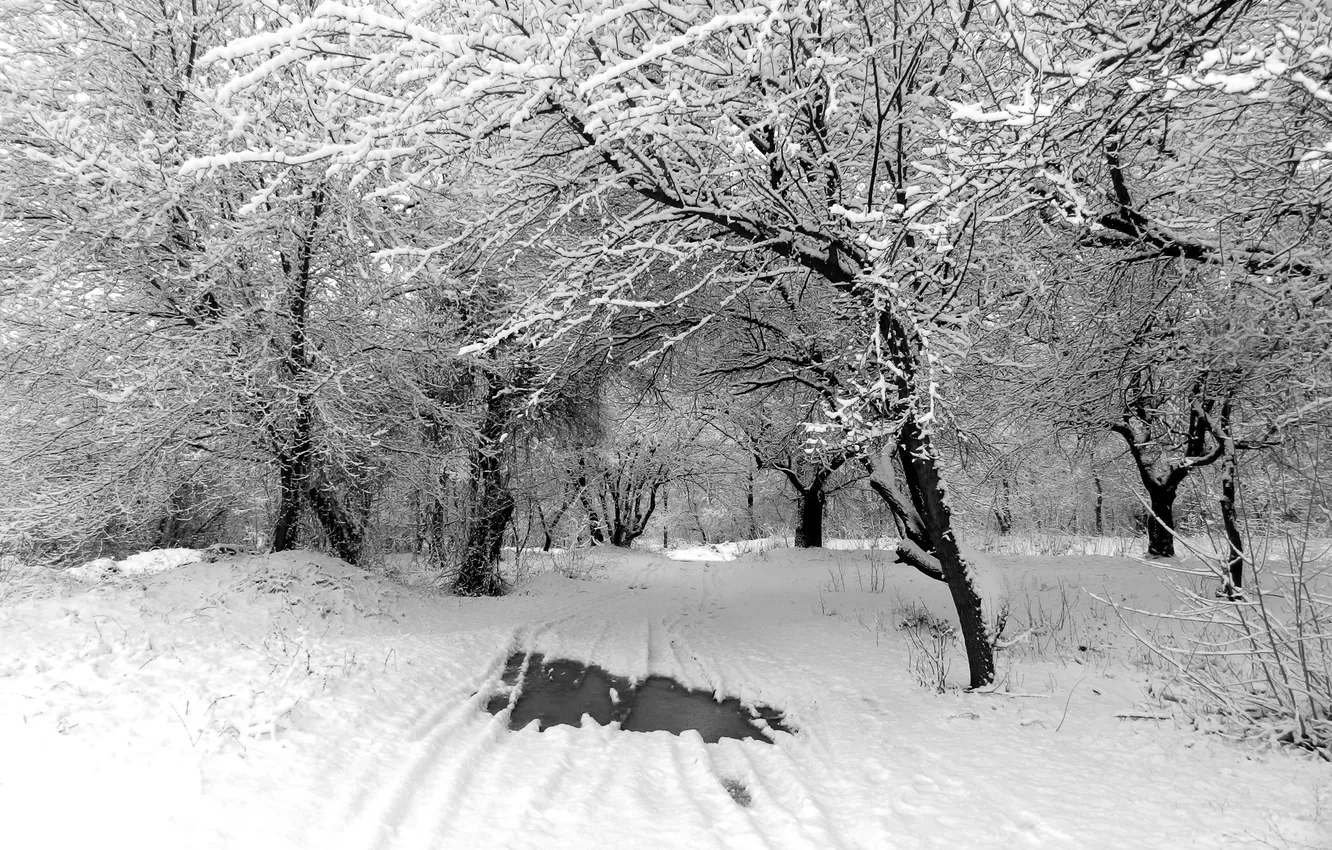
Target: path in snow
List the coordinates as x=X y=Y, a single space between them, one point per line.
x=466 y=781
x=262 y=704
x=878 y=762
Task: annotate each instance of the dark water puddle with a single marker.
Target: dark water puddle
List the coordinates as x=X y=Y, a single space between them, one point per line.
x=560 y=692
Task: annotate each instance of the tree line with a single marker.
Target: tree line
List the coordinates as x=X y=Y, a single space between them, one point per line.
x=323 y=259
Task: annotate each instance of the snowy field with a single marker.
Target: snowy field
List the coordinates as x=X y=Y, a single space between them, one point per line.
x=291 y=701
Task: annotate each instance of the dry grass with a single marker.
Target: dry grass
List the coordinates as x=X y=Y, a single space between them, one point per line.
x=1258 y=666
x=930 y=644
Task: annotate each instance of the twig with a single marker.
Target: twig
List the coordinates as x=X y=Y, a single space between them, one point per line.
x=193 y=739
x=1010 y=694
x=1066 y=702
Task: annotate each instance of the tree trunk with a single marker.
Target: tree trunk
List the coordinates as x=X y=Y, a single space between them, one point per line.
x=620 y=536
x=903 y=506
x=295 y=454
x=548 y=526
x=293 y=470
x=698 y=519
x=931 y=520
x=492 y=504
x=810 y=503
x=479 y=574
x=596 y=529
x=1003 y=514
x=1230 y=520
x=921 y=471
x=632 y=516
x=435 y=531
x=1099 y=506
x=749 y=502
x=1161 y=522
x=1161 y=479
x=666 y=509
x=345 y=535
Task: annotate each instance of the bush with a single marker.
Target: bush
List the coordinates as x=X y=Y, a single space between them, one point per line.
x=929 y=643
x=1257 y=664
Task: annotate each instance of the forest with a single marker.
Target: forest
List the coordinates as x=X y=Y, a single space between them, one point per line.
x=457 y=278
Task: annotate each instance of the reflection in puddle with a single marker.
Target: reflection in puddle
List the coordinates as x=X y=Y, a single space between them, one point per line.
x=560 y=692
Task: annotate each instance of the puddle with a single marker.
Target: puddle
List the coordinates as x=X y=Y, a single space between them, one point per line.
x=560 y=692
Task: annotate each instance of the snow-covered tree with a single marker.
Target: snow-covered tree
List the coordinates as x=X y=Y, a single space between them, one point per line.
x=803 y=136
x=1184 y=137
x=162 y=338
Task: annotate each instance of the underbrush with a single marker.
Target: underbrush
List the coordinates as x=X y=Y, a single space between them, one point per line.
x=859 y=574
x=222 y=657
x=1061 y=623
x=1049 y=544
x=577 y=563
x=930 y=644
x=1256 y=664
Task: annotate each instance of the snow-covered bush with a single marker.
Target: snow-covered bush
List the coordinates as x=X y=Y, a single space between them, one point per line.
x=1258 y=665
x=930 y=641
x=575 y=563
x=1059 y=622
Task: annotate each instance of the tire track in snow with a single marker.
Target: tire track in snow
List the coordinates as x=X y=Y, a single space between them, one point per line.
x=374 y=817
x=469 y=781
x=494 y=804
x=698 y=797
x=374 y=825
x=785 y=800
x=523 y=639
x=646 y=576
x=785 y=803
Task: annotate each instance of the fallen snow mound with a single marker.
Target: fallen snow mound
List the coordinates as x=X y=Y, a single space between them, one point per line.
x=320 y=585
x=155 y=561
x=706 y=552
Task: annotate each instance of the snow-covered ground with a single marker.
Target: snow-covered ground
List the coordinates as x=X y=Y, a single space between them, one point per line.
x=292 y=701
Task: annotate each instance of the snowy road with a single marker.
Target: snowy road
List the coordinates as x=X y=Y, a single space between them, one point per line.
x=390 y=747
x=461 y=779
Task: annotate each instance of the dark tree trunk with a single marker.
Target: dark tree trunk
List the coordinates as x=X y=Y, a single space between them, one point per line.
x=345 y=535
x=632 y=515
x=810 y=503
x=547 y=542
x=928 y=520
x=289 y=504
x=1225 y=439
x=491 y=509
x=922 y=476
x=1161 y=478
x=295 y=451
x=1161 y=522
x=1098 y=512
x=436 y=536
x=1230 y=522
x=749 y=503
x=596 y=527
x=1003 y=515
x=293 y=471
x=478 y=574
x=492 y=504
x=549 y=526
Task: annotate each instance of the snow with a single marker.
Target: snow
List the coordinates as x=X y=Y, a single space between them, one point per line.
x=155 y=561
x=293 y=701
